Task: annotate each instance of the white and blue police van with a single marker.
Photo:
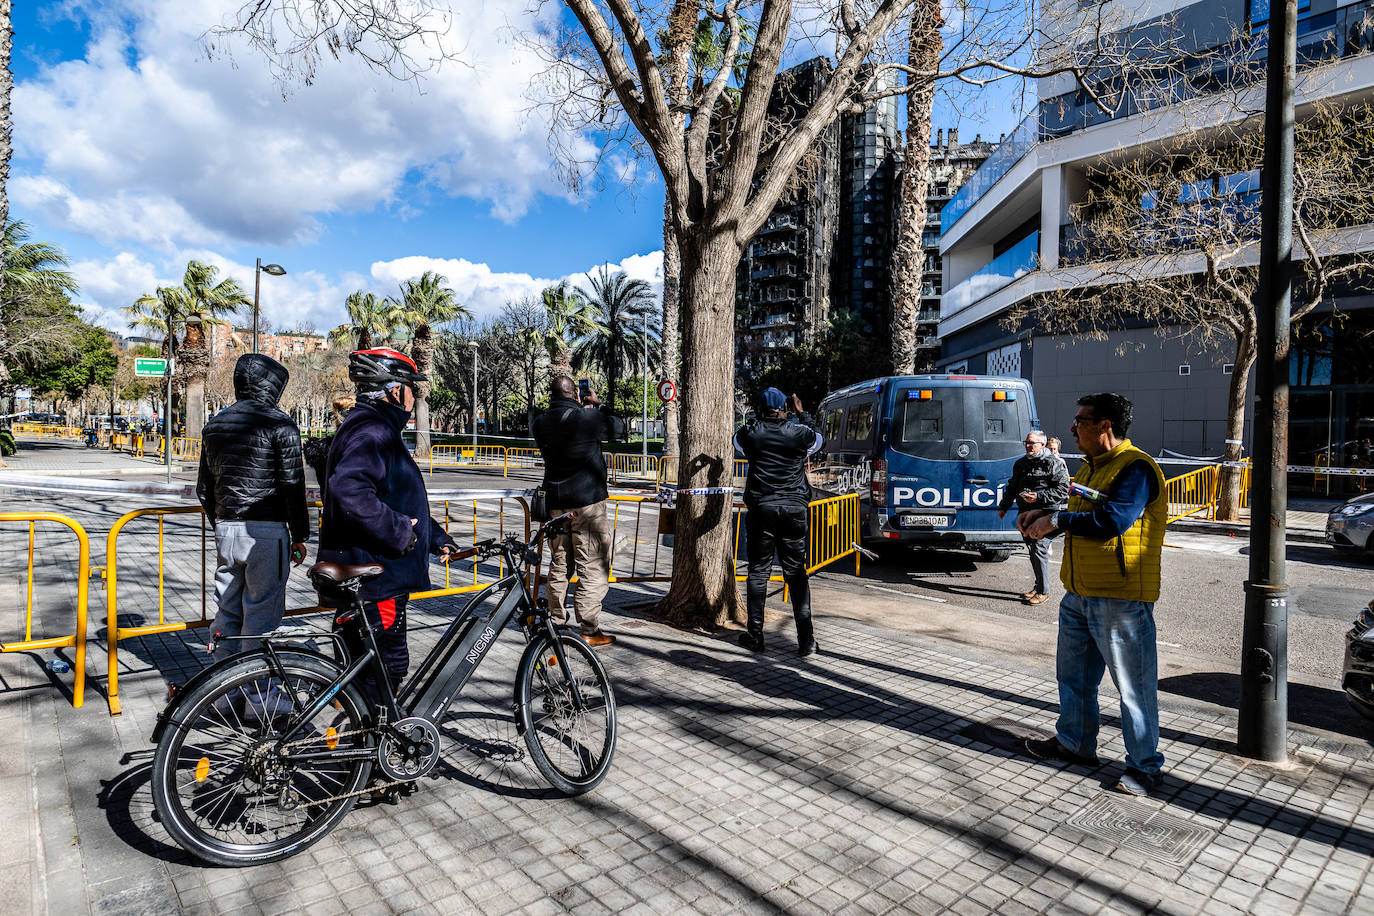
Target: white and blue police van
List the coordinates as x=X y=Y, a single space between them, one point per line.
x=929 y=455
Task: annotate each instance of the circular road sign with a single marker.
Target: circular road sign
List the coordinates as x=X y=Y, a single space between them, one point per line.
x=667 y=391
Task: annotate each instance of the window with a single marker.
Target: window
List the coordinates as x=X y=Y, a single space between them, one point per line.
x=832 y=424
x=860 y=425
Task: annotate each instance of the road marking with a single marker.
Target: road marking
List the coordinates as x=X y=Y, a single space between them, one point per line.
x=898 y=591
x=1171 y=645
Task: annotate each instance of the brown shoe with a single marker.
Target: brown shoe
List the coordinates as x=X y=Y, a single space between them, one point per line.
x=1037 y=599
x=597 y=640
x=1026 y=596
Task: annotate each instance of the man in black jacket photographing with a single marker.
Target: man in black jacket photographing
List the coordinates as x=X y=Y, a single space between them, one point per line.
x=776 y=495
x=570 y=435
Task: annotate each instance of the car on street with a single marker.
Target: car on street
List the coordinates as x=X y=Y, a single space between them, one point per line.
x=1357 y=677
x=1349 y=525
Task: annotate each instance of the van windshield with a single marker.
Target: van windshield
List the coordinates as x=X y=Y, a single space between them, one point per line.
x=935 y=425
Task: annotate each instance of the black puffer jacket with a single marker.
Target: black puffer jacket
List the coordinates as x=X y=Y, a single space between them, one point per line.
x=1044 y=475
x=250 y=458
x=777 y=450
x=569 y=437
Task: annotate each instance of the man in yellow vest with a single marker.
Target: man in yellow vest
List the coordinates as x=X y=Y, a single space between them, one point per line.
x=1113 y=543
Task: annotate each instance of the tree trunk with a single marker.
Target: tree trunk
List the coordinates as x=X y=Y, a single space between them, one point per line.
x=6 y=85
x=1228 y=499
x=194 y=361
x=423 y=354
x=908 y=257
x=612 y=365
x=672 y=278
x=703 y=592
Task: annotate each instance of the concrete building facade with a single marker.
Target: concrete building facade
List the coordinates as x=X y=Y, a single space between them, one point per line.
x=1008 y=236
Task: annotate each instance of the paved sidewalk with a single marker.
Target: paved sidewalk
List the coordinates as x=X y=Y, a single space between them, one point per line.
x=877 y=777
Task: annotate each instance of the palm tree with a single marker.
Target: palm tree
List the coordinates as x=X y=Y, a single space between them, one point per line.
x=367 y=316
x=425 y=302
x=570 y=317
x=29 y=269
x=199 y=300
x=616 y=342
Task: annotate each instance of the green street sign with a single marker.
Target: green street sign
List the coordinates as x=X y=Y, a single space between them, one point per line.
x=146 y=366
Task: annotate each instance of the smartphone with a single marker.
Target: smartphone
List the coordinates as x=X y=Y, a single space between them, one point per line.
x=584 y=388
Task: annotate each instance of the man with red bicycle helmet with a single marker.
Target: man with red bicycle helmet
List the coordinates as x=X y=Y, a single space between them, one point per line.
x=376 y=509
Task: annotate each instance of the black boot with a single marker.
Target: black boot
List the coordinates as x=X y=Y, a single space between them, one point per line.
x=801 y=611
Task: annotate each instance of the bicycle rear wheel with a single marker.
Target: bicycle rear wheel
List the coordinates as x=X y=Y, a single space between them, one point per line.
x=220 y=789
x=571 y=745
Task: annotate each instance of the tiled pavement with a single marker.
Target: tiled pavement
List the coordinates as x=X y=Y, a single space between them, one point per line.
x=876 y=777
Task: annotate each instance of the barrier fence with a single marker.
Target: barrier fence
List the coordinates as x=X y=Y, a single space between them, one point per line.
x=77 y=638
x=47 y=431
x=1199 y=492
x=668 y=471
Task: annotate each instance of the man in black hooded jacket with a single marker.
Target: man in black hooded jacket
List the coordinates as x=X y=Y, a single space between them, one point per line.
x=252 y=487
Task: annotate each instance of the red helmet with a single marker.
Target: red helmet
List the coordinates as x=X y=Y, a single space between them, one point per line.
x=377 y=368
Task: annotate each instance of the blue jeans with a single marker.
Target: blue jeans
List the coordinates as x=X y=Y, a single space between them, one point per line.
x=1116 y=635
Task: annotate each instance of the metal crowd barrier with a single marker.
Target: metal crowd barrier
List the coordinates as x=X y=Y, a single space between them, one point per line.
x=1193 y=493
x=475 y=456
x=77 y=639
x=494 y=524
x=47 y=431
x=623 y=466
x=668 y=470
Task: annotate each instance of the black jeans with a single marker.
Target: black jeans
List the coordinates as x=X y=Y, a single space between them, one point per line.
x=387 y=620
x=781 y=530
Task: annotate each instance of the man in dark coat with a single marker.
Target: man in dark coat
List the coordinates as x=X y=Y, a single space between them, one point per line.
x=376 y=509
x=1039 y=480
x=570 y=436
x=252 y=487
x=776 y=494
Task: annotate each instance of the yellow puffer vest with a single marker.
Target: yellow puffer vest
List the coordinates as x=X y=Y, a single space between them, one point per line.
x=1121 y=567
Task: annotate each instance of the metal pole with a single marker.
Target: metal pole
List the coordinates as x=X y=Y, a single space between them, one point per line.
x=644 y=429
x=257 y=287
x=112 y=397
x=474 y=403
x=1262 y=730
x=167 y=420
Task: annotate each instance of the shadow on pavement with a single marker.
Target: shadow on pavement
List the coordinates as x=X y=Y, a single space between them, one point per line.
x=128 y=806
x=1308 y=706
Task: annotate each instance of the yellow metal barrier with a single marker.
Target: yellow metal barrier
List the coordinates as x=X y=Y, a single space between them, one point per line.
x=834 y=531
x=77 y=640
x=47 y=431
x=635 y=467
x=480 y=456
x=1192 y=493
x=524 y=458
x=116 y=633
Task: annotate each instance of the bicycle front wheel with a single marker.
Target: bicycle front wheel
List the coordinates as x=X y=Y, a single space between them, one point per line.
x=220 y=786
x=571 y=743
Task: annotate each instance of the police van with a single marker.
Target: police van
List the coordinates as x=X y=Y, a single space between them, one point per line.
x=930 y=456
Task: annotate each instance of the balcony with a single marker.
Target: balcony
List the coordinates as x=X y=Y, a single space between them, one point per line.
x=1334 y=35
x=773 y=321
x=770 y=249
x=1015 y=262
x=784 y=222
x=781 y=270
x=774 y=295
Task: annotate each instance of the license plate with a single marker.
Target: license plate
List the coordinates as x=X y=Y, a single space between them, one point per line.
x=923 y=521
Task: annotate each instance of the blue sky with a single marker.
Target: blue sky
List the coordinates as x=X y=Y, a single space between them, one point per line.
x=135 y=150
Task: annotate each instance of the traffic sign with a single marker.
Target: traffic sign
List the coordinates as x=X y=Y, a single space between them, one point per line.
x=667 y=391
x=144 y=365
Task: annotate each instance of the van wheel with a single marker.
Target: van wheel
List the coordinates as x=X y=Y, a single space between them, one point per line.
x=993 y=554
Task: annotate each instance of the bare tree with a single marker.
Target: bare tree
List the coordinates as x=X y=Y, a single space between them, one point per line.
x=1171 y=240
x=528 y=323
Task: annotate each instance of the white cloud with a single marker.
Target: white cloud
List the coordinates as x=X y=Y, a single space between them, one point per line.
x=485 y=291
x=147 y=140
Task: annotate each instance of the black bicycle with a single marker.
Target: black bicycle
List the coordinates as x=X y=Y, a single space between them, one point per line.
x=261 y=755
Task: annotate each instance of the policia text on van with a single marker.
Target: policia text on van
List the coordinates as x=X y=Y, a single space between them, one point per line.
x=930 y=456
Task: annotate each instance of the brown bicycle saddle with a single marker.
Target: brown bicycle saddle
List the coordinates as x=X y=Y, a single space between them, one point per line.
x=338 y=572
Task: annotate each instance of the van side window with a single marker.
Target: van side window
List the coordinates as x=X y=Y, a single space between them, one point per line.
x=860 y=425
x=832 y=425
x=1000 y=422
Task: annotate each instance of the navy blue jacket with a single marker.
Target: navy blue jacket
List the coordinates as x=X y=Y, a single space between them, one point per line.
x=372 y=489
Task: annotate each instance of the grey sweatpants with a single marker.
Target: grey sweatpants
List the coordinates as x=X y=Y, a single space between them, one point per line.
x=250 y=581
x=1040 y=561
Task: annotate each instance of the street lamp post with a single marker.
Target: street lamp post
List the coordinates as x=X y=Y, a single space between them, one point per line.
x=644 y=420
x=473 y=344
x=275 y=270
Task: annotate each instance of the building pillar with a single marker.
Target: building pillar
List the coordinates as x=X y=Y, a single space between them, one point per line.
x=1053 y=214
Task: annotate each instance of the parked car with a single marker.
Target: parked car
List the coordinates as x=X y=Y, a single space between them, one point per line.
x=1349 y=525
x=1357 y=677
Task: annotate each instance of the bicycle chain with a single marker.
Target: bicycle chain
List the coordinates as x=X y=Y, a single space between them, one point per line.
x=375 y=787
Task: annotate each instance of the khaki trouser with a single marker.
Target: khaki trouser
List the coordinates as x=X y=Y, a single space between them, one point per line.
x=590 y=541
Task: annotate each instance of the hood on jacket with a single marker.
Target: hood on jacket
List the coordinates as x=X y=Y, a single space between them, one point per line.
x=259 y=378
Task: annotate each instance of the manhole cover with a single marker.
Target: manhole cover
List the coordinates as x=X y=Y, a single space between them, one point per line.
x=1140 y=828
